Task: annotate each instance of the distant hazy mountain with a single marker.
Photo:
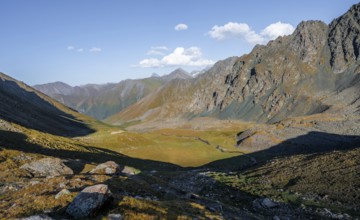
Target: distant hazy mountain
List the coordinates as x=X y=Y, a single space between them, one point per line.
x=27 y=107
x=177 y=74
x=55 y=88
x=102 y=101
x=155 y=75
x=315 y=69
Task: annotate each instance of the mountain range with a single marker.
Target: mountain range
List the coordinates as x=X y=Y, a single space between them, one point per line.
x=300 y=74
x=102 y=101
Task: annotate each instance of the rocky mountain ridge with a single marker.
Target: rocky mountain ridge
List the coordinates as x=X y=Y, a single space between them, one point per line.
x=295 y=75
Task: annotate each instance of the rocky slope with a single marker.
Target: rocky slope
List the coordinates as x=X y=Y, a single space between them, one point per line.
x=299 y=74
x=102 y=101
x=26 y=106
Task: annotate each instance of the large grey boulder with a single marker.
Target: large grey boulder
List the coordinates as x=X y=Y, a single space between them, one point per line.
x=89 y=201
x=47 y=167
x=109 y=168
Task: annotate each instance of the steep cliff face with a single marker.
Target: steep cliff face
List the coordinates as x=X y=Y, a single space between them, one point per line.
x=344 y=40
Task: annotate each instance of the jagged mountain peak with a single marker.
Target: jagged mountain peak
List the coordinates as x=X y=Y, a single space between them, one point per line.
x=55 y=88
x=308 y=38
x=178 y=73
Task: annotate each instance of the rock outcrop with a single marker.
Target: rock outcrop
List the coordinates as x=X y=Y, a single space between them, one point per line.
x=108 y=168
x=47 y=167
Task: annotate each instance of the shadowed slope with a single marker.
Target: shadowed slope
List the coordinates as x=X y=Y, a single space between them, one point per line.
x=25 y=106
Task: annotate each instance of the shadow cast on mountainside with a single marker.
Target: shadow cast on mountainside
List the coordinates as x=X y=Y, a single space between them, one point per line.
x=311 y=144
x=78 y=159
x=28 y=109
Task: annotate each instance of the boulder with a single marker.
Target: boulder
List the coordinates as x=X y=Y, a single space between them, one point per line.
x=130 y=170
x=264 y=203
x=108 y=168
x=115 y=217
x=62 y=193
x=37 y=217
x=47 y=167
x=268 y=203
x=89 y=201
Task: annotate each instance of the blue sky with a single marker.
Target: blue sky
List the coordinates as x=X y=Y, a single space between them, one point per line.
x=88 y=41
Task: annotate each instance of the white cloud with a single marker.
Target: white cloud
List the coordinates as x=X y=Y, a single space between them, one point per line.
x=95 y=50
x=155 y=52
x=233 y=29
x=243 y=30
x=160 y=48
x=277 y=29
x=152 y=62
x=180 y=27
x=179 y=57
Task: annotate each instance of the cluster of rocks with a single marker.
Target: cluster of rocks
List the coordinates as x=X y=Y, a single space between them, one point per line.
x=4 y=125
x=91 y=199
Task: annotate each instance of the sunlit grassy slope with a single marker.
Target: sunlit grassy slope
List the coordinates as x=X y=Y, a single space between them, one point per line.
x=184 y=147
